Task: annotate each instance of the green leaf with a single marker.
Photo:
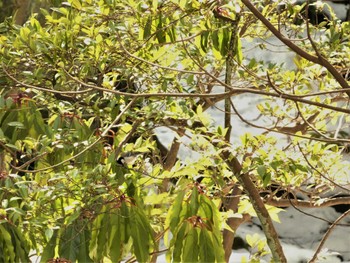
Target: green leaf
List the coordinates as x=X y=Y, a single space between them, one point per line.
x=213 y=226
x=261 y=171
x=171 y=32
x=224 y=41
x=215 y=39
x=49 y=250
x=140 y=234
x=22 y=246
x=204 y=41
x=24 y=33
x=7 y=246
x=115 y=237
x=173 y=217
x=275 y=164
x=206 y=249
x=16 y=124
x=238 y=51
x=218 y=247
x=160 y=34
x=207 y=210
x=98 y=236
x=18 y=243
x=154 y=5
x=83 y=254
x=102 y=236
x=155 y=199
x=76 y=4
x=273 y=212
x=267 y=179
x=194 y=202
x=182 y=4
x=178 y=241
x=125 y=223
x=147 y=29
x=191 y=246
x=70 y=242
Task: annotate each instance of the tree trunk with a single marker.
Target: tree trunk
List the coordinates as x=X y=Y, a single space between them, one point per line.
x=233 y=223
x=22 y=11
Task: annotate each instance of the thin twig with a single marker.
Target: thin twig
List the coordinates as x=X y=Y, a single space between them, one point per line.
x=311 y=215
x=317 y=171
x=326 y=235
x=308 y=204
x=41 y=88
x=283 y=130
x=157 y=65
x=315 y=59
x=219 y=96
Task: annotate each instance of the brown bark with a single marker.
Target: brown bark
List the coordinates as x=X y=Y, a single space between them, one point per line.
x=7 y=8
x=172 y=154
x=171 y=160
x=233 y=223
x=300 y=127
x=258 y=205
x=22 y=11
x=309 y=204
x=2 y=163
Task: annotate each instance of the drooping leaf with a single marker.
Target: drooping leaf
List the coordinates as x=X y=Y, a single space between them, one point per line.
x=7 y=245
x=49 y=250
x=115 y=237
x=177 y=241
x=173 y=217
x=191 y=246
x=206 y=249
x=204 y=41
x=147 y=29
x=70 y=242
x=261 y=171
x=194 y=202
x=98 y=236
x=83 y=254
x=239 y=52
x=141 y=234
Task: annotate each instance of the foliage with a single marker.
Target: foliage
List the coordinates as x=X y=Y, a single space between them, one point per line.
x=88 y=88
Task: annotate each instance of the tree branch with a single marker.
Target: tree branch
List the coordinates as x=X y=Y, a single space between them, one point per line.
x=308 y=204
x=320 y=60
x=232 y=50
x=287 y=130
x=326 y=235
x=258 y=204
x=233 y=223
x=228 y=236
x=217 y=96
